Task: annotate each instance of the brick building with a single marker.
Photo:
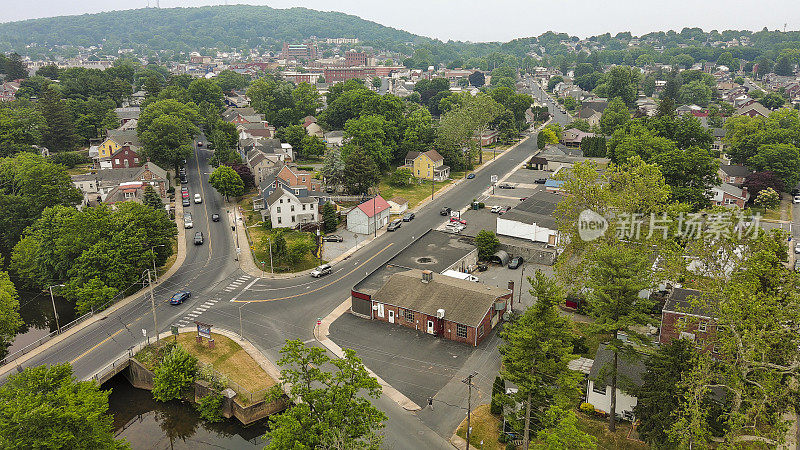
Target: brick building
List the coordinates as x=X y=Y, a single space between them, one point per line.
x=354 y=58
x=686 y=315
x=446 y=307
x=339 y=74
x=125 y=157
x=299 y=51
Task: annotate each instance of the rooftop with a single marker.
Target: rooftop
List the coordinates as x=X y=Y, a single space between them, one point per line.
x=630 y=370
x=687 y=301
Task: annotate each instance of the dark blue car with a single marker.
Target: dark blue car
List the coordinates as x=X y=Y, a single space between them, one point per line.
x=180 y=297
x=470 y=176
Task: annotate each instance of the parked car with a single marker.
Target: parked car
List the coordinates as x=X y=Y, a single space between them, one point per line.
x=180 y=297
x=197 y=198
x=515 y=262
x=185 y=194
x=458 y=220
x=797 y=264
x=504 y=210
x=454 y=228
x=215 y=217
x=187 y=220
x=496 y=209
x=796 y=199
x=470 y=176
x=445 y=211
x=507 y=186
x=408 y=217
x=797 y=248
x=184 y=189
x=322 y=270
x=332 y=238
x=198 y=238
x=186 y=202
x=396 y=223
x=540 y=181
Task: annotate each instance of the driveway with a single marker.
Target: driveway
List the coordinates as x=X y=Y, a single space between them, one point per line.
x=331 y=250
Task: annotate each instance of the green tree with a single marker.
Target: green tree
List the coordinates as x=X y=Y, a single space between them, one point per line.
x=772 y=101
x=10 y=320
x=615 y=115
x=204 y=90
x=370 y=134
x=331 y=409
x=46 y=407
x=152 y=199
x=696 y=92
x=618 y=274
x=58 y=134
x=168 y=139
x=487 y=244
x=15 y=68
x=226 y=181
x=329 y=217
x=783 y=159
x=174 y=377
x=360 y=171
x=49 y=71
x=21 y=126
x=498 y=393
x=659 y=395
x=562 y=431
x=92 y=295
x=690 y=173
x=402 y=177
x=477 y=79
x=784 y=66
x=537 y=346
x=768 y=198
x=333 y=168
x=312 y=146
x=376 y=82
x=622 y=82
x=228 y=80
x=306 y=100
x=294 y=135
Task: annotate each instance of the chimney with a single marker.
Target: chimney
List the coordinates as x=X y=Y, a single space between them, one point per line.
x=427 y=276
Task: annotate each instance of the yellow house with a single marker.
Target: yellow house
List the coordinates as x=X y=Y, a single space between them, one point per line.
x=115 y=140
x=428 y=165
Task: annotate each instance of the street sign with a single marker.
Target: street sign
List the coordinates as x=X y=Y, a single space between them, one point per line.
x=174 y=330
x=493 y=179
x=203 y=330
x=319 y=321
x=144 y=332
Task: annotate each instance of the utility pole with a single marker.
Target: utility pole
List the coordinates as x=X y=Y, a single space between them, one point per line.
x=271 y=269
x=152 y=303
x=55 y=312
x=468 y=382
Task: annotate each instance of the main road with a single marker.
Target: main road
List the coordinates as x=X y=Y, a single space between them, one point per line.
x=271 y=310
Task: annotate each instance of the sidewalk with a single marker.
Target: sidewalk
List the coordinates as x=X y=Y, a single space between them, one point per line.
x=102 y=315
x=321 y=334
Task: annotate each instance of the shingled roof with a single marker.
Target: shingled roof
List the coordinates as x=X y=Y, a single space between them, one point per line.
x=463 y=301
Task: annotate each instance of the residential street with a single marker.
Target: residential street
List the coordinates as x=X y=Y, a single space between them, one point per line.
x=275 y=310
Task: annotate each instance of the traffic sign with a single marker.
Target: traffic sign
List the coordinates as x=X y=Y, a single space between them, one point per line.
x=319 y=321
x=493 y=179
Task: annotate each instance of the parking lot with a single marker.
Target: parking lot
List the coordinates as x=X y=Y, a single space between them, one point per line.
x=497 y=275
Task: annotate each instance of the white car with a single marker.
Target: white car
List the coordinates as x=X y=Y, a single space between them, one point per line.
x=797 y=248
x=796 y=199
x=496 y=209
x=197 y=198
x=187 y=220
x=454 y=227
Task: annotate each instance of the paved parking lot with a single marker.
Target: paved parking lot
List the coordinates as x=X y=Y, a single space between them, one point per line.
x=331 y=250
x=414 y=363
x=499 y=276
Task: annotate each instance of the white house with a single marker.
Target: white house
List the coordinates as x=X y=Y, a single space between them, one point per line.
x=598 y=392
x=398 y=205
x=532 y=219
x=364 y=218
x=290 y=211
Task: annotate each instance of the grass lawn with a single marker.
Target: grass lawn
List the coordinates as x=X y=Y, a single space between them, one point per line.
x=592 y=340
x=485 y=427
x=79 y=170
x=618 y=440
x=414 y=193
x=171 y=260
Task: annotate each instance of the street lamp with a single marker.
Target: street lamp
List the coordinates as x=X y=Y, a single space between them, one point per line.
x=153 y=253
x=55 y=312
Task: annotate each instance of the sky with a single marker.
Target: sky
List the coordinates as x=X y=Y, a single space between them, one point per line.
x=495 y=20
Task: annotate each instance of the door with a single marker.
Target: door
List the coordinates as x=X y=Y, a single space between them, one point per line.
x=380 y=310
x=391 y=316
x=430 y=326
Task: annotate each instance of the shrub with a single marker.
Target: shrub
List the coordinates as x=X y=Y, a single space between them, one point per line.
x=481 y=205
x=175 y=375
x=587 y=408
x=69 y=159
x=511 y=446
x=305 y=168
x=487 y=244
x=210 y=407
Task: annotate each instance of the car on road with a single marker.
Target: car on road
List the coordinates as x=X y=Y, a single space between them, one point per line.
x=199 y=143
x=470 y=176
x=180 y=297
x=396 y=223
x=797 y=248
x=198 y=238
x=507 y=186
x=322 y=270
x=540 y=180
x=504 y=210
x=458 y=220
x=186 y=202
x=197 y=198
x=515 y=262
x=408 y=217
x=445 y=211
x=496 y=209
x=332 y=238
x=215 y=217
x=187 y=220
x=797 y=265
x=796 y=199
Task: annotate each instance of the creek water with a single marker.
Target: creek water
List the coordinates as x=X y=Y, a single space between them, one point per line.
x=148 y=424
x=36 y=310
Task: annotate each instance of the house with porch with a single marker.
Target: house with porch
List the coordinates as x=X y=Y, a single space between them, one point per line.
x=427 y=166
x=288 y=210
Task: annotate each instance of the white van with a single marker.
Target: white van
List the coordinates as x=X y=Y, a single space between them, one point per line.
x=460 y=275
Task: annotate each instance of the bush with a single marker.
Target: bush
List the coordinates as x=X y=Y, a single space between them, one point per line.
x=210 y=407
x=171 y=190
x=70 y=159
x=587 y=408
x=175 y=375
x=305 y=168
x=511 y=446
x=503 y=437
x=487 y=244
x=579 y=346
x=401 y=178
x=481 y=205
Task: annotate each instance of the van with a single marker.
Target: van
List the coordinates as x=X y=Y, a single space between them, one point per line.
x=322 y=270
x=460 y=275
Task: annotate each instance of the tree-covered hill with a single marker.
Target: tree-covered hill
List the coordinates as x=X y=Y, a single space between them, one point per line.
x=190 y=29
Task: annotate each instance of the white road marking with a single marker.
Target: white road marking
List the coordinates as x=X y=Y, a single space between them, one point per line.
x=244 y=289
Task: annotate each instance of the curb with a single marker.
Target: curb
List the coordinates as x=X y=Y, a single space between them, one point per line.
x=321 y=334
x=107 y=312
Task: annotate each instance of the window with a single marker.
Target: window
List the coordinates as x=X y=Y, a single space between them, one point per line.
x=279 y=220
x=480 y=330
x=304 y=179
x=292 y=208
x=409 y=315
x=304 y=206
x=279 y=209
x=292 y=219
x=281 y=201
x=128 y=194
x=732 y=180
x=136 y=160
x=702 y=326
x=116 y=160
x=461 y=331
x=598 y=389
x=311 y=206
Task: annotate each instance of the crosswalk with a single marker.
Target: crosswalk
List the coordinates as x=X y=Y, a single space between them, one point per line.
x=200 y=309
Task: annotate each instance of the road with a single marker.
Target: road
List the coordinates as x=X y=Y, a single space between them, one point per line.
x=544 y=98
x=271 y=310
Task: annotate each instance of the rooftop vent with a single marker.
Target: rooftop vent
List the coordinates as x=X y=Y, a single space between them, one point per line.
x=427 y=276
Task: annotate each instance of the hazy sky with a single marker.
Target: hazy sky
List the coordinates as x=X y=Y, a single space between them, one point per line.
x=491 y=20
